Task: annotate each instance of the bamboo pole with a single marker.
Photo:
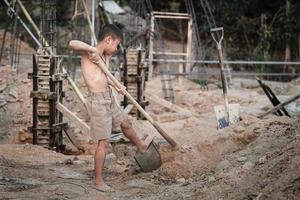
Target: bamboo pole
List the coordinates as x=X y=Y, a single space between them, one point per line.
x=72 y=83
x=89 y=21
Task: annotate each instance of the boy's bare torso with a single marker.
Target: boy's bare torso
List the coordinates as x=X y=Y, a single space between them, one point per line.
x=95 y=79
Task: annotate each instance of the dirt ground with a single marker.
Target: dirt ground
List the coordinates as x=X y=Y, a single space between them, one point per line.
x=252 y=159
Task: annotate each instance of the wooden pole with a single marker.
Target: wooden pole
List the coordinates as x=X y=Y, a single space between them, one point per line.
x=103 y=67
x=150 y=56
x=66 y=112
x=274 y=109
x=72 y=83
x=189 y=45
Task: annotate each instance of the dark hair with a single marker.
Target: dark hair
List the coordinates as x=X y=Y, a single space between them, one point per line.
x=110 y=30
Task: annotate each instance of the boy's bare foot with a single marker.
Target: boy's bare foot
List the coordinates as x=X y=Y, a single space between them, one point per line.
x=103 y=187
x=143 y=148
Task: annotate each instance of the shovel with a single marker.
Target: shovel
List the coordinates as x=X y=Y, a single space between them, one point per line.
x=170 y=140
x=229 y=113
x=149 y=160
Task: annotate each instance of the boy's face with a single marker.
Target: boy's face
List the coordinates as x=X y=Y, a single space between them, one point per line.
x=111 y=45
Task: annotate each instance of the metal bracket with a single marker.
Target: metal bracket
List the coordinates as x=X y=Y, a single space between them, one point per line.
x=59 y=77
x=59 y=127
x=42 y=95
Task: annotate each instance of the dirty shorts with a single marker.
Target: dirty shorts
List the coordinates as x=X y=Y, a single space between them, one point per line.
x=105 y=114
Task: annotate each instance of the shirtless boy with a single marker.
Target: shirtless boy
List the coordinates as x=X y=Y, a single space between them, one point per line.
x=105 y=114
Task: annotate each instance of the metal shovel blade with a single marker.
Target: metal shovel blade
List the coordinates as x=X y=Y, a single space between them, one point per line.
x=150 y=160
x=222 y=120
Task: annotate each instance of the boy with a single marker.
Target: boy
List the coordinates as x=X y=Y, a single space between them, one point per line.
x=105 y=114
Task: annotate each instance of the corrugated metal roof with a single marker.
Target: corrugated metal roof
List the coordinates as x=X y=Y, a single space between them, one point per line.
x=112 y=7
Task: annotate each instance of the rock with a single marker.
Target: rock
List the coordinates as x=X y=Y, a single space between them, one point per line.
x=264 y=183
x=190 y=122
x=190 y=180
x=223 y=166
x=3 y=87
x=78 y=162
x=247 y=83
x=59 y=162
x=68 y=162
x=181 y=150
x=211 y=179
x=69 y=99
x=109 y=158
x=185 y=148
x=6 y=179
x=222 y=175
x=25 y=81
x=2 y=104
x=13 y=94
x=248 y=165
x=238 y=129
x=75 y=158
x=181 y=180
x=242 y=159
x=262 y=160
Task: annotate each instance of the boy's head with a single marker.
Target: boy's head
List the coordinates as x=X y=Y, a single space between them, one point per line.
x=110 y=36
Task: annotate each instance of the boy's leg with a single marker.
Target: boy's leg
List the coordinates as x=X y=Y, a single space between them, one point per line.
x=99 y=159
x=131 y=135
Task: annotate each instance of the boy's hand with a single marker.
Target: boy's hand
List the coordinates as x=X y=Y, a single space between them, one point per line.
x=121 y=90
x=94 y=57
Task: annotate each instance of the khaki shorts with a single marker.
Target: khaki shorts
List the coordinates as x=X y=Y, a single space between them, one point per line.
x=105 y=114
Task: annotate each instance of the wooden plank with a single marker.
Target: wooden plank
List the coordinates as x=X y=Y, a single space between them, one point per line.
x=170 y=13
x=150 y=56
x=189 y=45
x=66 y=112
x=274 y=109
x=128 y=108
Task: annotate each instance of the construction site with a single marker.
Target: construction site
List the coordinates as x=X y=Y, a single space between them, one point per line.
x=212 y=88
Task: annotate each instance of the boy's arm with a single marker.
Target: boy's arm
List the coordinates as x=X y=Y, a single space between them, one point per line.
x=93 y=53
x=119 y=90
x=82 y=47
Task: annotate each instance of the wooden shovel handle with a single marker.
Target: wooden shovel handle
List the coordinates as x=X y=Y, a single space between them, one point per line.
x=147 y=116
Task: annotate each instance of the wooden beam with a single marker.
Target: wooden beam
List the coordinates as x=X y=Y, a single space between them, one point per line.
x=170 y=105
x=171 y=17
x=128 y=108
x=274 y=109
x=150 y=56
x=171 y=53
x=67 y=113
x=170 y=13
x=189 y=45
